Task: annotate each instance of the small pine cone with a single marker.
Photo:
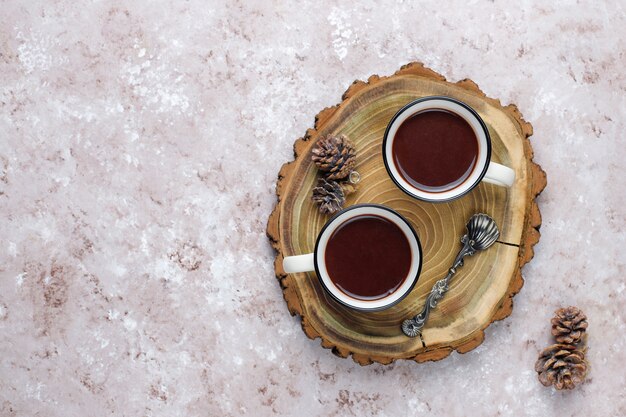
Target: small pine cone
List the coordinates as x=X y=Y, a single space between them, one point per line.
x=331 y=195
x=569 y=325
x=561 y=365
x=334 y=155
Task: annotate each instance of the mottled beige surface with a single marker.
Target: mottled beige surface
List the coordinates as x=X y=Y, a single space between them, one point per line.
x=139 y=147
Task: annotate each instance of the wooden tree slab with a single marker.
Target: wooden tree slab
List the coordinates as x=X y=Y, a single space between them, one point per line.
x=481 y=292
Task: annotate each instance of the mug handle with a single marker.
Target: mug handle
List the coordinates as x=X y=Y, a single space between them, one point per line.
x=299 y=263
x=499 y=175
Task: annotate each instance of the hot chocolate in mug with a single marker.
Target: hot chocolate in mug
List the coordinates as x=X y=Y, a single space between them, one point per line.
x=367 y=257
x=438 y=149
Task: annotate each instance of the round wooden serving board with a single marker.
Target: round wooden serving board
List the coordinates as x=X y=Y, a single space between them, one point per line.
x=480 y=293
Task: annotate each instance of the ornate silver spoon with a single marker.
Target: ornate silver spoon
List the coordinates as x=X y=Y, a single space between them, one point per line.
x=482 y=232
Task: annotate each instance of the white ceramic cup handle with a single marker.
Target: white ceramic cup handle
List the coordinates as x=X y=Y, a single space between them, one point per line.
x=499 y=175
x=299 y=263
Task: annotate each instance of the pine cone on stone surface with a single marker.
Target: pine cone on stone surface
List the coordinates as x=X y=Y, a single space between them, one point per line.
x=331 y=195
x=561 y=365
x=334 y=155
x=569 y=325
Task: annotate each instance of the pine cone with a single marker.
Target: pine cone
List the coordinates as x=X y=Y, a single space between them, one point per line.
x=331 y=195
x=334 y=155
x=569 y=325
x=561 y=365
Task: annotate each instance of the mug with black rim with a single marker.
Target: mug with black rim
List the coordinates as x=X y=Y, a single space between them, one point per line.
x=367 y=257
x=444 y=141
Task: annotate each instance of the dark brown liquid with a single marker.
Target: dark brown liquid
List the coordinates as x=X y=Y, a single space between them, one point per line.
x=435 y=150
x=368 y=257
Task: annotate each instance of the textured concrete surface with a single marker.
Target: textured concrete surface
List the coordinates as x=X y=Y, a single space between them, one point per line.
x=139 y=147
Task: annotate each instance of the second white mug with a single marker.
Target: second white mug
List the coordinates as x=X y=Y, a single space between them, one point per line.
x=369 y=270
x=437 y=149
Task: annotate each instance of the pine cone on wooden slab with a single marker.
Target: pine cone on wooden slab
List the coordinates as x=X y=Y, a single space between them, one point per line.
x=334 y=155
x=331 y=195
x=569 y=325
x=561 y=365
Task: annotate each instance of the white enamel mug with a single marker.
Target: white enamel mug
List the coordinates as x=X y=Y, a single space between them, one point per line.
x=484 y=169
x=316 y=261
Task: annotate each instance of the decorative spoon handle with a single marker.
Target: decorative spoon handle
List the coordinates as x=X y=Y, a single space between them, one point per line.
x=482 y=232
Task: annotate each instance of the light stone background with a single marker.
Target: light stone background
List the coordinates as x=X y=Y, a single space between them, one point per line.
x=139 y=148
